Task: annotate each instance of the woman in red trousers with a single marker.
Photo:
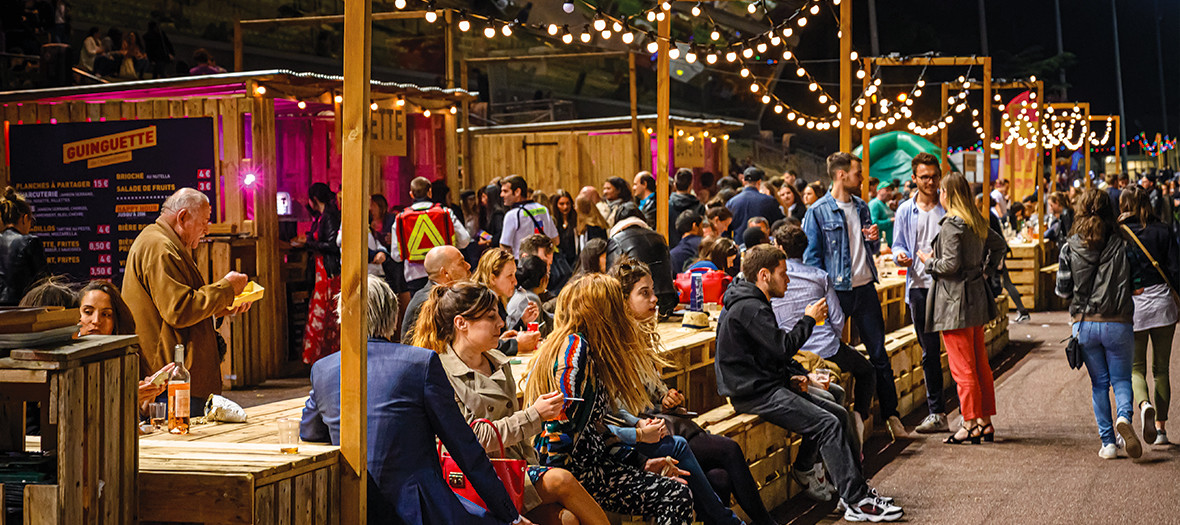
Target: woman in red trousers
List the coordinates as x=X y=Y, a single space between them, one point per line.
x=966 y=251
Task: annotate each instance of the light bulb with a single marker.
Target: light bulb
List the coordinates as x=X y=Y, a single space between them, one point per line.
x=711 y=58
x=628 y=37
x=401 y=102
x=489 y=31
x=812 y=86
x=730 y=56
x=617 y=27
x=606 y=35
x=454 y=110
x=761 y=47
x=585 y=37
x=651 y=16
x=302 y=104
x=1032 y=78
x=599 y=24
x=690 y=57
x=860 y=73
x=260 y=90
x=917 y=92
x=791 y=115
x=400 y=4
x=567 y=38
x=747 y=52
x=715 y=35
x=338 y=98
x=787 y=54
x=506 y=30
x=660 y=16
x=753 y=88
x=802 y=21
x=745 y=72
x=775 y=40
x=752 y=8
x=426 y=113
x=765 y=99
x=853 y=55
x=832 y=108
x=696 y=10
x=666 y=5
x=553 y=29
x=568 y=7
x=431 y=16
x=464 y=25
x=778 y=108
x=653 y=46
x=815 y=9
x=800 y=72
x=823 y=98
x=674 y=53
x=373 y=106
x=788 y=31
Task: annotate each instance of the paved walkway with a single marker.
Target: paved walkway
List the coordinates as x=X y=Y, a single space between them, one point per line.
x=1044 y=465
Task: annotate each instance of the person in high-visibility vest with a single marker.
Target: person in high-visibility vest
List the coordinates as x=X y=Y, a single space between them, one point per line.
x=420 y=227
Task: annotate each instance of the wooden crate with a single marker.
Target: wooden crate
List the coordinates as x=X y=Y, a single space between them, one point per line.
x=207 y=482
x=87 y=392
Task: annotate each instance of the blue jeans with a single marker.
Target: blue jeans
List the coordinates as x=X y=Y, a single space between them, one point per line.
x=1107 y=350
x=706 y=501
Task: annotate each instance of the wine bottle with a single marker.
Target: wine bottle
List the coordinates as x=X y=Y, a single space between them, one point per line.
x=179 y=389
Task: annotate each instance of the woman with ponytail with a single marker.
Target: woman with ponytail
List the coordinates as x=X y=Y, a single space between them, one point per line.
x=22 y=256
x=602 y=361
x=461 y=322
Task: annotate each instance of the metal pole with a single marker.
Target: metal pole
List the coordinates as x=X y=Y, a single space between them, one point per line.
x=1118 y=72
x=983 y=27
x=874 y=41
x=1159 y=56
x=1060 y=51
x=846 y=76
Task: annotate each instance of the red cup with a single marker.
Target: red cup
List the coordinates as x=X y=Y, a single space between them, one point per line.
x=534 y=327
x=901 y=272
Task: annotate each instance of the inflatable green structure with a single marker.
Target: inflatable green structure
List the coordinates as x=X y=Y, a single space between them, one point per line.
x=890 y=155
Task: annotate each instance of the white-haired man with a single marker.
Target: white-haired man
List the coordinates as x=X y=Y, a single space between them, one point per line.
x=168 y=296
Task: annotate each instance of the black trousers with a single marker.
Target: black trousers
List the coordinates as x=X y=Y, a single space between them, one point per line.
x=931 y=351
x=862 y=307
x=864 y=378
x=725 y=465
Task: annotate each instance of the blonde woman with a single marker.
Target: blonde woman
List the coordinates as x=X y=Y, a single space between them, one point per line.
x=966 y=252
x=497 y=270
x=461 y=323
x=600 y=360
x=590 y=223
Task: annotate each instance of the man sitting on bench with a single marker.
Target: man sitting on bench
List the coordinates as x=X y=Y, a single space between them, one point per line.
x=756 y=371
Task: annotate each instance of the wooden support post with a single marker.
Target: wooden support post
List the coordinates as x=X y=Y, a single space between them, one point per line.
x=639 y=137
x=866 y=133
x=450 y=120
x=1118 y=146
x=239 y=53
x=942 y=134
x=1039 y=168
x=663 y=131
x=986 y=114
x=354 y=338
x=1086 y=145
x=846 y=77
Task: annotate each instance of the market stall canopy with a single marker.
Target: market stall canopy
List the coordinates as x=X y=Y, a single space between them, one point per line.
x=890 y=155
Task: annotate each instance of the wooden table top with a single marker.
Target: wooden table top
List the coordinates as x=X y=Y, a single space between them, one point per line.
x=205 y=457
x=261 y=426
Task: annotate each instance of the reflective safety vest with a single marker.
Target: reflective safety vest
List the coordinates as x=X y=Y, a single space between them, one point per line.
x=420 y=230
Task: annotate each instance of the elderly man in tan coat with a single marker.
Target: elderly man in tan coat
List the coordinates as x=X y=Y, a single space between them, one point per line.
x=169 y=298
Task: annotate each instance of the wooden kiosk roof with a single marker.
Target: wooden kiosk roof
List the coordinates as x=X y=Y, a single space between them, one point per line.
x=288 y=83
x=608 y=123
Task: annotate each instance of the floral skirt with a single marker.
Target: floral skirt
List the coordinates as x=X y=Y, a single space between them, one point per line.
x=321 y=336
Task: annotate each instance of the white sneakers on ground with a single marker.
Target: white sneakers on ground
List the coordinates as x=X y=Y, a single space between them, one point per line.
x=1161 y=437
x=896 y=428
x=1108 y=451
x=874 y=509
x=1123 y=427
x=814 y=482
x=1147 y=419
x=933 y=423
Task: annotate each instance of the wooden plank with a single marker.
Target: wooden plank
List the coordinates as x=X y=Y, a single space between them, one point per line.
x=44 y=113
x=70 y=445
x=90 y=347
x=264 y=505
x=79 y=112
x=23 y=376
x=144 y=109
x=127 y=111
x=283 y=495
x=59 y=113
x=304 y=504
x=41 y=504
x=110 y=464
x=129 y=459
x=334 y=493
x=322 y=497
x=27 y=113
x=91 y=433
x=208 y=498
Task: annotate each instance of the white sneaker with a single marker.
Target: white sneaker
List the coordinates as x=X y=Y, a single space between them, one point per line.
x=821 y=477
x=1131 y=441
x=1161 y=438
x=932 y=424
x=1108 y=451
x=811 y=484
x=1147 y=419
x=896 y=429
x=872 y=509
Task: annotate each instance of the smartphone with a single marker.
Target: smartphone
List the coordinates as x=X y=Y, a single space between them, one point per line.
x=159 y=378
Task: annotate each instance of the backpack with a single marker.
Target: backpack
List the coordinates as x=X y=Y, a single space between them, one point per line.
x=420 y=230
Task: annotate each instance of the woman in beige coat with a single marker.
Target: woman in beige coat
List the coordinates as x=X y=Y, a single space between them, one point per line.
x=462 y=323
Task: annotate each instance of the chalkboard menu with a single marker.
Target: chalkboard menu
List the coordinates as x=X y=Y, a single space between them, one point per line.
x=94 y=185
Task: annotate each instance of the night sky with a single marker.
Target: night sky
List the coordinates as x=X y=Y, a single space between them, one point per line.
x=1020 y=33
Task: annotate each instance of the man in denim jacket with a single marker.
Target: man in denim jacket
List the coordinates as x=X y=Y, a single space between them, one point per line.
x=842 y=239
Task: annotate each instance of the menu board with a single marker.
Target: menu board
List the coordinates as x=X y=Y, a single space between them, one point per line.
x=95 y=185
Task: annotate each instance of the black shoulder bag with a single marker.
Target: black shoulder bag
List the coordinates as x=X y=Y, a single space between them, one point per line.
x=1073 y=349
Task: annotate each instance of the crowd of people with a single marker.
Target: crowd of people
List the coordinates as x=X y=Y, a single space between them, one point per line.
x=130 y=55
x=579 y=284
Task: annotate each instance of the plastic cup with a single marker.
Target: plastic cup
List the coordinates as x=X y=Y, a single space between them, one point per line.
x=288 y=435
x=534 y=327
x=158 y=414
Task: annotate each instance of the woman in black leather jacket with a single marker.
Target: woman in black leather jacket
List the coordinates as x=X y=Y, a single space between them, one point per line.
x=1156 y=311
x=322 y=335
x=22 y=256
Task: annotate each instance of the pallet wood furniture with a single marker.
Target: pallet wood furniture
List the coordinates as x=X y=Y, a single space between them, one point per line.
x=237 y=483
x=1025 y=264
x=87 y=392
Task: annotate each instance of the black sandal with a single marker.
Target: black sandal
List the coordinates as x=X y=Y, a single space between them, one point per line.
x=972 y=437
x=990 y=437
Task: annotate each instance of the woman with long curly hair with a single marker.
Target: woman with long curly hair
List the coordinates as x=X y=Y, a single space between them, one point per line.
x=601 y=361
x=461 y=323
x=716 y=463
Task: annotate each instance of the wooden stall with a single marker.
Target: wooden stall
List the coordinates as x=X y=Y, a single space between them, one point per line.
x=1026 y=267
x=87 y=393
x=276 y=133
x=577 y=153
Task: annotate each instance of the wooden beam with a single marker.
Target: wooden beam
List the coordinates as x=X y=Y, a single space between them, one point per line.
x=1039 y=167
x=988 y=105
x=866 y=133
x=239 y=55
x=932 y=61
x=469 y=177
x=663 y=131
x=638 y=137
x=450 y=121
x=942 y=133
x=328 y=19
x=593 y=54
x=846 y=77
x=354 y=334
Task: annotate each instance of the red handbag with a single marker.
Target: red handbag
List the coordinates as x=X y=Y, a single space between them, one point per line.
x=510 y=471
x=713 y=284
